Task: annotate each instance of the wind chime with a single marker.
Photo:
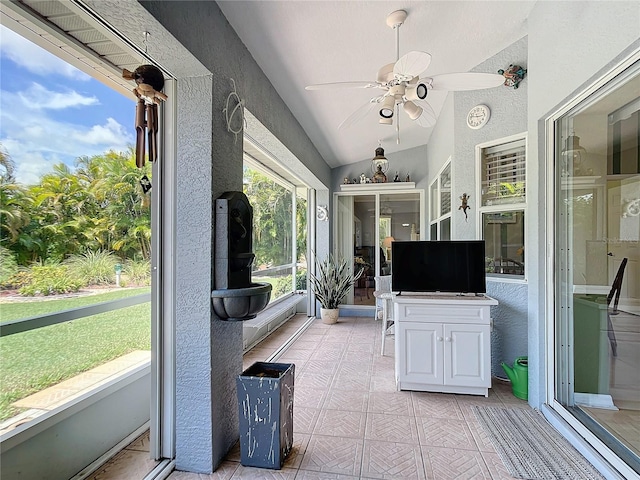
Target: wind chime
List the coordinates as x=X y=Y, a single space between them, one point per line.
x=149 y=81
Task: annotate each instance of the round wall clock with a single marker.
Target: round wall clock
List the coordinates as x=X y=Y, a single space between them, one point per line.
x=478 y=116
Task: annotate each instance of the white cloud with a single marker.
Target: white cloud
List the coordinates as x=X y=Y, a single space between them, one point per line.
x=37 y=142
x=38 y=97
x=30 y=171
x=34 y=59
x=111 y=133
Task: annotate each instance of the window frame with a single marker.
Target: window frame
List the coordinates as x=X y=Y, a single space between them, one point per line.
x=504 y=207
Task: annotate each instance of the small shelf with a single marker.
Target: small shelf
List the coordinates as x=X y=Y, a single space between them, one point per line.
x=376 y=187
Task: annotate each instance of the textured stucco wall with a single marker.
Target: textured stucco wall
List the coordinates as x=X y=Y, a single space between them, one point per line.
x=210 y=352
x=194 y=397
x=569 y=43
x=508 y=116
x=442 y=143
x=509 y=334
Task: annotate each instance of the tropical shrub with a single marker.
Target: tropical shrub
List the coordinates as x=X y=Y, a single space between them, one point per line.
x=281 y=286
x=8 y=265
x=93 y=268
x=49 y=280
x=301 y=280
x=138 y=272
x=18 y=280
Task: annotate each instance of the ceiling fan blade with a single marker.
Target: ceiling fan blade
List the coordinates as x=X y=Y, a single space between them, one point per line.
x=338 y=85
x=428 y=117
x=361 y=112
x=465 y=81
x=411 y=65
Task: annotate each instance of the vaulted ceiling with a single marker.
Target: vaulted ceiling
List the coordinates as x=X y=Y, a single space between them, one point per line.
x=300 y=43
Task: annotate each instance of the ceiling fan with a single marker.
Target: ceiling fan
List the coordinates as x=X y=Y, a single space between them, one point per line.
x=402 y=85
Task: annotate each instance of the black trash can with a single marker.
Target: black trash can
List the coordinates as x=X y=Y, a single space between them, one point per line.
x=265 y=410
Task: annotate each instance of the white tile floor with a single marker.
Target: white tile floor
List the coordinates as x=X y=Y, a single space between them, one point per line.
x=350 y=422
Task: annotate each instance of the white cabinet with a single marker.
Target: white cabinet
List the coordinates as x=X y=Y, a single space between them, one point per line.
x=443 y=343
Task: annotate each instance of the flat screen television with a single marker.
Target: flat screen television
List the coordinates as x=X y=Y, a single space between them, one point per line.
x=451 y=266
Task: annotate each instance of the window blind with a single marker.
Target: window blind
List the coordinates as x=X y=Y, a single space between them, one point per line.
x=503 y=173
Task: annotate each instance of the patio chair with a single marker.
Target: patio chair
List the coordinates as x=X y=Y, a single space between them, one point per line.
x=384 y=307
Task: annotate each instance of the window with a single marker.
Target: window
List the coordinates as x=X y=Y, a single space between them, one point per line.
x=503 y=204
x=279 y=233
x=76 y=239
x=440 y=209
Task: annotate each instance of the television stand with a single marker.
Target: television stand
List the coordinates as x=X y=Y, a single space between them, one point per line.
x=443 y=343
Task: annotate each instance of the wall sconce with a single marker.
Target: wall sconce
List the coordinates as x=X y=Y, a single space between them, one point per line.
x=322 y=213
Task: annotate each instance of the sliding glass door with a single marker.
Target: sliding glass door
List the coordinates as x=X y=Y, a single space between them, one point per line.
x=366 y=225
x=597 y=264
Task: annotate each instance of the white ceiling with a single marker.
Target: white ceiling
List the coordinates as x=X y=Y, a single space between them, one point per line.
x=299 y=43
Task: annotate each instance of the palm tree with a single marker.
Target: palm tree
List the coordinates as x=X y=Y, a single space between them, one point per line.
x=9 y=166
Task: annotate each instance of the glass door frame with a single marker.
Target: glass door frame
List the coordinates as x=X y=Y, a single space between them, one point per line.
x=610 y=80
x=376 y=191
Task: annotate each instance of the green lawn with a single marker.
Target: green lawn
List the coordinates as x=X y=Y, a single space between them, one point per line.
x=37 y=359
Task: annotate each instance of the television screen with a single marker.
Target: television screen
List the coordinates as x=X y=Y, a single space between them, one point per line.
x=438 y=266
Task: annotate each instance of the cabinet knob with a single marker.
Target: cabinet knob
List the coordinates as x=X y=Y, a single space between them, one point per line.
x=448 y=339
x=439 y=339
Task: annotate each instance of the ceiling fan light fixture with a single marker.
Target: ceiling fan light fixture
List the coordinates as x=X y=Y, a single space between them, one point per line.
x=413 y=110
x=386 y=110
x=416 y=92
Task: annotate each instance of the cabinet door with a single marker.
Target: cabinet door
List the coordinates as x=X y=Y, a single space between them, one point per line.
x=421 y=358
x=467 y=359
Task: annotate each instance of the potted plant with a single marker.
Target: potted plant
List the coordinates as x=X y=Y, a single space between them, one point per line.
x=331 y=283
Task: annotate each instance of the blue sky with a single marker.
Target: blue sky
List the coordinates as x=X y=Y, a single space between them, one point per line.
x=51 y=112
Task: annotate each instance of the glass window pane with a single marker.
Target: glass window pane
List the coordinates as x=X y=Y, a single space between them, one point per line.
x=445 y=229
x=74 y=351
x=433 y=200
x=504 y=242
x=364 y=209
x=301 y=245
x=445 y=190
x=75 y=231
x=272 y=231
x=597 y=244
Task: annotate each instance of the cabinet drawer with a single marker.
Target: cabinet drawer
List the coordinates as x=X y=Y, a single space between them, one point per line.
x=448 y=313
